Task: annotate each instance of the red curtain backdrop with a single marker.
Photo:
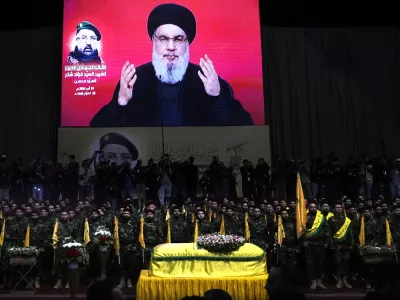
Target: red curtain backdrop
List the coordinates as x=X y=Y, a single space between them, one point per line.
x=228 y=31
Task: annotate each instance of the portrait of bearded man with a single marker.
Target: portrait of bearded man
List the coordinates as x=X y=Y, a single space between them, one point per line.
x=169 y=90
x=87 y=41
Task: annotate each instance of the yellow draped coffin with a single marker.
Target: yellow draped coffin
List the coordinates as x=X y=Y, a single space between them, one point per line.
x=187 y=261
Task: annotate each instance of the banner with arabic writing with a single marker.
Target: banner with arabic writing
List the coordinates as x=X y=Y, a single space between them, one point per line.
x=230 y=144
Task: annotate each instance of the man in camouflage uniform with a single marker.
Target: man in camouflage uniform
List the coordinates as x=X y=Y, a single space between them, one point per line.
x=128 y=239
x=65 y=230
x=180 y=232
x=96 y=222
x=316 y=241
x=259 y=234
x=204 y=224
x=290 y=243
x=40 y=236
x=52 y=213
x=157 y=212
x=74 y=219
x=375 y=235
x=233 y=223
x=325 y=210
x=15 y=230
x=153 y=235
x=342 y=244
x=270 y=216
x=355 y=258
x=48 y=254
x=14 y=237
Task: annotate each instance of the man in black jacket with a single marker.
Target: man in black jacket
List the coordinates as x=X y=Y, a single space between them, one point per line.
x=170 y=91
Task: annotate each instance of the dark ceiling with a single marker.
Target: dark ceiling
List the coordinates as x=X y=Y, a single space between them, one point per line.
x=17 y=15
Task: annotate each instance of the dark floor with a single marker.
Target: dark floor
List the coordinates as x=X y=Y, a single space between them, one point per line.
x=49 y=293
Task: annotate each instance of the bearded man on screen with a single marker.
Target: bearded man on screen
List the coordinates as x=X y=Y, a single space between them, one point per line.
x=170 y=90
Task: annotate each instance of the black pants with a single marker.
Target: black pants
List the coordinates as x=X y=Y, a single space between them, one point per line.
x=61 y=270
x=127 y=264
x=315 y=255
x=38 y=269
x=145 y=256
x=94 y=265
x=341 y=256
x=288 y=256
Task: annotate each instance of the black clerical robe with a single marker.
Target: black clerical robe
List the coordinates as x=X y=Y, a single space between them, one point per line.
x=197 y=108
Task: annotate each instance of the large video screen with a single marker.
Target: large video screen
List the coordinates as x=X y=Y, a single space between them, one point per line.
x=147 y=63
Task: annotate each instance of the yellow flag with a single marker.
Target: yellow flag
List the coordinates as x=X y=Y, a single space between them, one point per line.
x=168 y=219
x=116 y=236
x=86 y=233
x=281 y=231
x=196 y=231
x=301 y=210
x=27 y=236
x=184 y=211
x=362 y=232
x=3 y=230
x=55 y=234
x=141 y=233
x=246 y=227
x=222 y=228
x=388 y=234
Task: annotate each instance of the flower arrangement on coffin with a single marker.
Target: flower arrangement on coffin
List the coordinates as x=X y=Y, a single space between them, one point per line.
x=371 y=250
x=74 y=253
x=103 y=237
x=377 y=255
x=22 y=252
x=220 y=242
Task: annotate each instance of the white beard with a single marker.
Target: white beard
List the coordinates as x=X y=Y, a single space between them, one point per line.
x=170 y=72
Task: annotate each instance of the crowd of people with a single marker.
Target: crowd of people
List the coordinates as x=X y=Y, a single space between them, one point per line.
x=347 y=206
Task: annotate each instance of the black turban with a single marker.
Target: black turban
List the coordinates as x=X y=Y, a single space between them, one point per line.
x=116 y=138
x=89 y=26
x=175 y=14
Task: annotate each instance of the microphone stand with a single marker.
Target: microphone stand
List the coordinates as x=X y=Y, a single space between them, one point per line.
x=162 y=115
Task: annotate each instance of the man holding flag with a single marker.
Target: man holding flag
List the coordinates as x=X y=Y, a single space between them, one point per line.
x=151 y=234
x=180 y=231
x=260 y=234
x=342 y=244
x=39 y=237
x=128 y=234
x=316 y=240
x=62 y=229
x=312 y=228
x=289 y=246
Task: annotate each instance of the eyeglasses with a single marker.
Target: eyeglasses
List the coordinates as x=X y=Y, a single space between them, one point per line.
x=84 y=38
x=177 y=40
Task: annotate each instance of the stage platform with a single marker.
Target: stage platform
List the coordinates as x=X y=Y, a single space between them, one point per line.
x=173 y=288
x=331 y=294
